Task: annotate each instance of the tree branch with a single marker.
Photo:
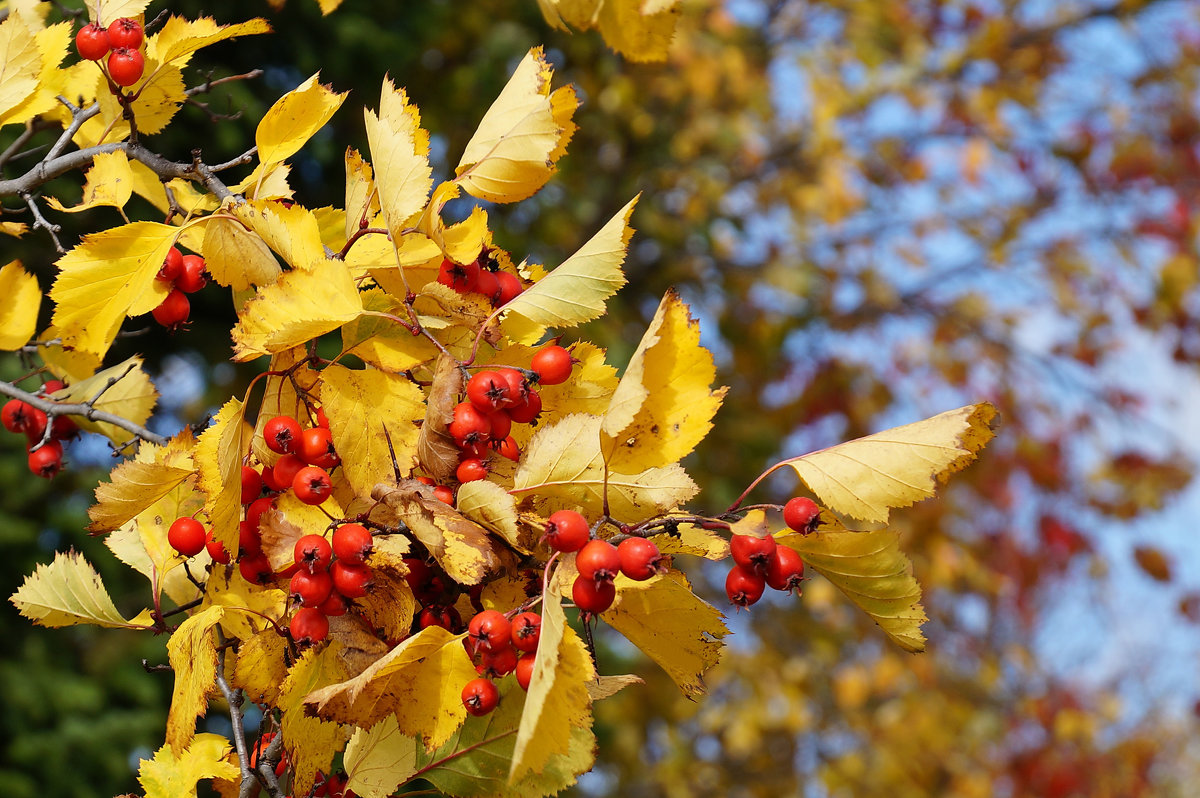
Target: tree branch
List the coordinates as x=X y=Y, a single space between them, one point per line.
x=88 y=411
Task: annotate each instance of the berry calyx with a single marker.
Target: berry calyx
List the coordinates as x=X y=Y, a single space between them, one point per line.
x=526 y=631
x=598 y=561
x=352 y=543
x=566 y=530
x=640 y=559
x=125 y=66
x=309 y=626
x=282 y=434
x=744 y=586
x=125 y=32
x=552 y=364
x=312 y=553
x=173 y=311
x=593 y=596
x=46 y=462
x=92 y=42
x=801 y=514
x=751 y=552
x=187 y=536
x=312 y=485
x=310 y=589
x=480 y=697
x=785 y=571
x=491 y=629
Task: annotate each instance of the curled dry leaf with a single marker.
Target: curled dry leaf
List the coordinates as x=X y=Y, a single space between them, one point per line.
x=435 y=448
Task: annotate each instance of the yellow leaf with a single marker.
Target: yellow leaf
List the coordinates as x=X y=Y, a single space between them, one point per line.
x=226 y=588
x=663 y=406
x=419 y=682
x=104 y=12
x=219 y=462
x=390 y=606
x=360 y=405
x=563 y=468
x=52 y=45
x=864 y=478
x=521 y=137
x=696 y=541
x=237 y=257
x=382 y=342
x=68 y=592
x=180 y=38
x=558 y=699
x=159 y=97
x=576 y=291
x=492 y=506
x=138 y=484
x=300 y=306
x=362 y=201
x=192 y=652
x=171 y=776
x=20 y=63
x=123 y=390
x=400 y=155
x=20 y=300
x=873 y=573
x=310 y=742
x=629 y=28
x=108 y=275
x=141 y=543
x=293 y=120
x=109 y=182
x=671 y=625
x=606 y=686
x=292 y=232
x=262 y=666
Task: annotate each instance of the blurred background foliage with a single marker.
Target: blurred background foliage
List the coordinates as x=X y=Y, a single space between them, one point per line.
x=879 y=209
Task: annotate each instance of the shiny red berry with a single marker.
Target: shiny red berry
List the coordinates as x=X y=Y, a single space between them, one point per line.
x=284 y=472
x=592 y=596
x=470 y=425
x=470 y=470
x=125 y=66
x=459 y=276
x=801 y=514
x=352 y=543
x=445 y=617
x=567 y=530
x=256 y=569
x=335 y=605
x=526 y=631
x=172 y=266
x=744 y=586
x=216 y=550
x=488 y=391
x=491 y=629
x=312 y=485
x=310 y=589
x=46 y=461
x=282 y=434
x=508 y=448
x=752 y=552
x=192 y=276
x=125 y=32
x=187 y=536
x=480 y=697
x=316 y=447
x=785 y=571
x=309 y=626
x=352 y=581
x=252 y=484
x=599 y=561
x=497 y=663
x=552 y=364
x=528 y=411
x=16 y=415
x=444 y=495
x=92 y=42
x=174 y=310
x=312 y=553
x=640 y=558
x=510 y=287
x=487 y=284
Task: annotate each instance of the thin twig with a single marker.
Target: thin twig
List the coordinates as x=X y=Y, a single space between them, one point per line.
x=52 y=409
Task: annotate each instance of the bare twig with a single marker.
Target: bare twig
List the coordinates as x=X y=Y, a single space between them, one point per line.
x=84 y=409
x=40 y=222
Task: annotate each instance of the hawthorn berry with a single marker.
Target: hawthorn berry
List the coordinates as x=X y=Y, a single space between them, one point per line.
x=172 y=266
x=593 y=596
x=282 y=434
x=640 y=558
x=309 y=626
x=508 y=448
x=310 y=589
x=527 y=411
x=335 y=605
x=352 y=543
x=480 y=697
x=352 y=581
x=125 y=32
x=92 y=42
x=801 y=514
x=312 y=485
x=249 y=539
x=46 y=461
x=566 y=530
x=51 y=386
x=444 y=495
x=316 y=447
x=501 y=423
x=744 y=586
x=322 y=420
x=125 y=66
x=173 y=311
x=272 y=484
x=252 y=484
x=470 y=470
x=191 y=277
x=284 y=472
x=256 y=569
x=491 y=629
x=312 y=553
x=526 y=631
x=752 y=552
x=35 y=427
x=470 y=425
x=487 y=284
x=445 y=617
x=459 y=276
x=256 y=508
x=598 y=561
x=187 y=536
x=785 y=571
x=510 y=286
x=552 y=364
x=497 y=663
x=63 y=427
x=16 y=415
x=525 y=670
x=216 y=550
x=488 y=391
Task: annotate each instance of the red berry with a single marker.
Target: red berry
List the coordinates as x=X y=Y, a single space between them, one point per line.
x=92 y=42
x=284 y=472
x=316 y=447
x=125 y=66
x=751 y=552
x=552 y=364
x=187 y=536
x=470 y=470
x=785 y=571
x=508 y=448
x=216 y=550
x=801 y=514
x=252 y=484
x=497 y=663
x=63 y=427
x=249 y=539
x=501 y=423
x=310 y=589
x=527 y=411
x=256 y=508
x=526 y=631
x=335 y=605
x=352 y=543
x=352 y=581
x=172 y=267
x=313 y=553
x=487 y=285
x=191 y=278
x=35 y=425
x=312 y=485
x=16 y=415
x=640 y=558
x=488 y=391
x=510 y=286
x=480 y=697
x=470 y=425
x=459 y=276
x=444 y=495
x=743 y=586
x=173 y=311
x=445 y=617
x=256 y=569
x=525 y=670
x=322 y=420
x=567 y=530
x=272 y=484
x=491 y=629
x=52 y=386
x=309 y=626
x=592 y=596
x=598 y=560
x=125 y=32
x=47 y=461
x=282 y=434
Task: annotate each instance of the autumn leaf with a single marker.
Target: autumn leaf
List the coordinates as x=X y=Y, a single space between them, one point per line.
x=362 y=201
x=671 y=625
x=291 y=231
x=400 y=155
x=663 y=406
x=557 y=700
x=158 y=98
x=310 y=742
x=262 y=666
x=52 y=43
x=1153 y=562
x=294 y=119
x=521 y=137
x=20 y=300
x=301 y=306
x=219 y=462
x=288 y=520
x=168 y=775
x=459 y=545
x=390 y=605
x=180 y=38
x=576 y=291
x=873 y=573
x=123 y=390
x=360 y=406
x=436 y=450
x=493 y=507
x=381 y=341
x=865 y=478
x=694 y=540
x=68 y=592
x=236 y=257
x=637 y=29
x=22 y=63
x=137 y=484
x=108 y=183
x=192 y=652
x=227 y=589
x=104 y=12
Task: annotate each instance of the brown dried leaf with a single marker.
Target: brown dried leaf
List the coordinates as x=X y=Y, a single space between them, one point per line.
x=435 y=448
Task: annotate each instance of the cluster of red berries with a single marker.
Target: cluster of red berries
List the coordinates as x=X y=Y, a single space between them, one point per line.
x=499 y=646
x=496 y=398
x=332 y=786
x=186 y=275
x=120 y=41
x=760 y=562
x=328 y=577
x=436 y=592
x=481 y=276
x=22 y=417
